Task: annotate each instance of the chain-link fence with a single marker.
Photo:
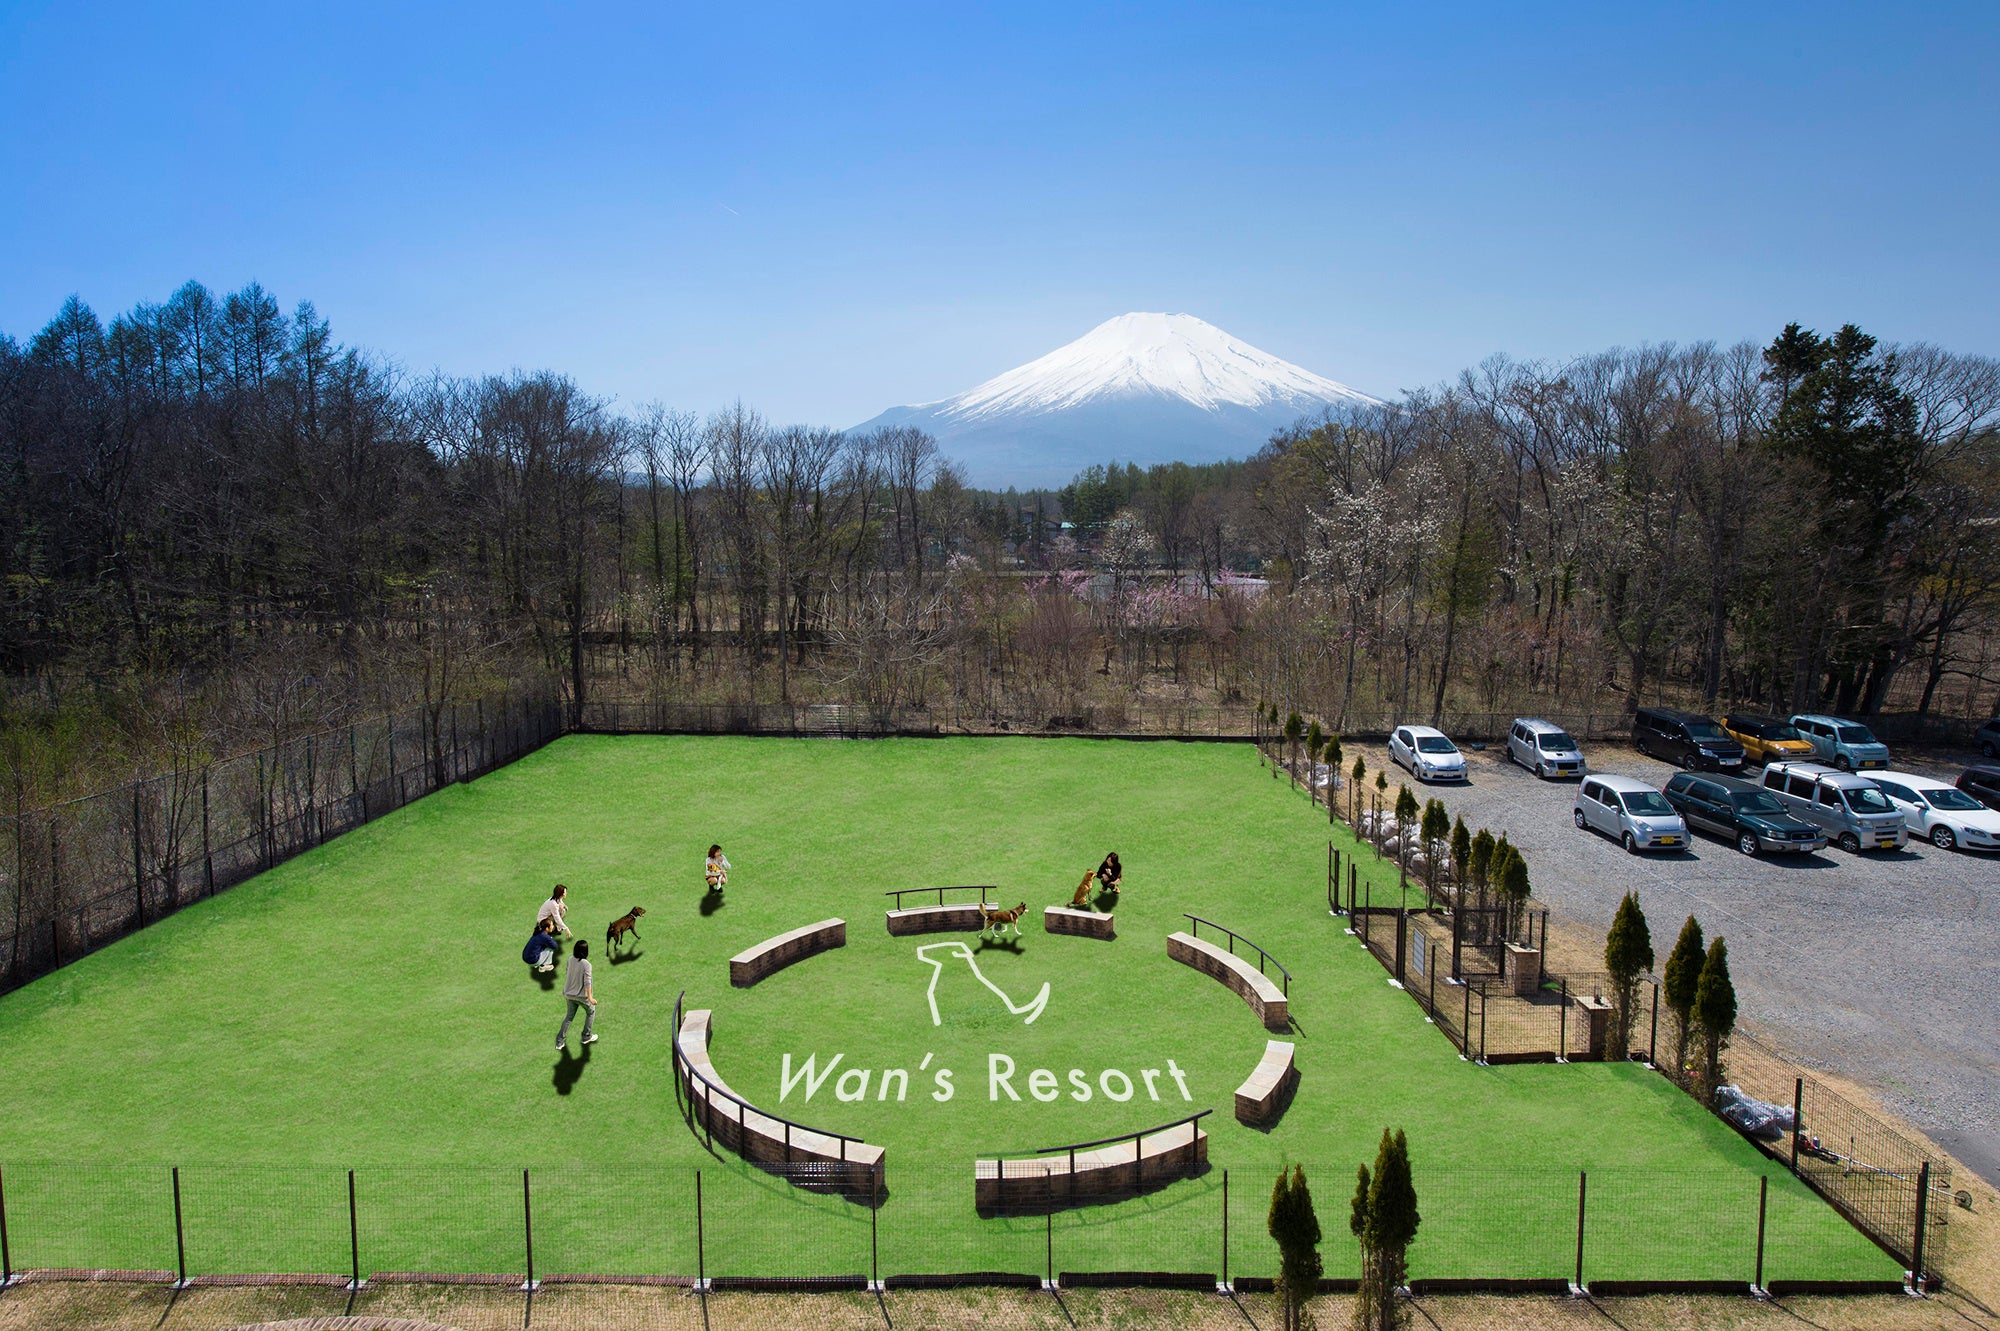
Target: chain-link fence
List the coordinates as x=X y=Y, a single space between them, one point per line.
x=78 y=875
x=733 y=1224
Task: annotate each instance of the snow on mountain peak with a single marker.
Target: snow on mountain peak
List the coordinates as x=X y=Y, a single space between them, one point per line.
x=1157 y=355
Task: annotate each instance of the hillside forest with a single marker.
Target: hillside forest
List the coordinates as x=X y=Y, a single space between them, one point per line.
x=221 y=527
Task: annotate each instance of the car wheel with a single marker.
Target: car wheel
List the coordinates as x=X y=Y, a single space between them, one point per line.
x=1942 y=838
x=1631 y=846
x=1687 y=762
x=1850 y=843
x=1840 y=760
x=1988 y=748
x=1747 y=843
x=1541 y=772
x=1581 y=825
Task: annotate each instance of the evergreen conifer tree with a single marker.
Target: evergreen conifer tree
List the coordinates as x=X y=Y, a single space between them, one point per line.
x=1383 y=1216
x=1628 y=954
x=1678 y=986
x=1714 y=1015
x=1461 y=851
x=1295 y=1228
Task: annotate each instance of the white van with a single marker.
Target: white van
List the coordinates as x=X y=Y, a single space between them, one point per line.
x=1848 y=808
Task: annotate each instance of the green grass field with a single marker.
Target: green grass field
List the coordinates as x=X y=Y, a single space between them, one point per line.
x=365 y=1007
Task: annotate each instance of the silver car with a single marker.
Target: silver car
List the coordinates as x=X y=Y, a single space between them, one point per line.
x=1630 y=811
x=1854 y=814
x=1544 y=748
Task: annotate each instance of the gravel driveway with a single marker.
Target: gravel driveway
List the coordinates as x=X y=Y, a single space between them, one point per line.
x=1882 y=967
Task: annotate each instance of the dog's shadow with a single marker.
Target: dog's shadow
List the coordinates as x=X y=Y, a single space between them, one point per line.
x=569 y=1069
x=1013 y=945
x=631 y=954
x=711 y=902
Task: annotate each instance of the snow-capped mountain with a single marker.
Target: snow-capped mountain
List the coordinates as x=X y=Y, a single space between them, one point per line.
x=1141 y=388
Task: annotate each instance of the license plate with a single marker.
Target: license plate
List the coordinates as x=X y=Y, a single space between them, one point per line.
x=1667 y=841
x=1875 y=764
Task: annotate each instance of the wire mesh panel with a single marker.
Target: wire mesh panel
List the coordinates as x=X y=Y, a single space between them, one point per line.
x=1253 y=1254
x=763 y=1224
x=1175 y=1229
x=1873 y=1174
x=930 y=1225
x=1667 y=1224
x=1512 y=1224
x=265 y=1219
x=441 y=1218
x=614 y=1221
x=111 y=1217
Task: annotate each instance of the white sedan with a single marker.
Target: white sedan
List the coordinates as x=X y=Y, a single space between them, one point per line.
x=1427 y=753
x=1940 y=811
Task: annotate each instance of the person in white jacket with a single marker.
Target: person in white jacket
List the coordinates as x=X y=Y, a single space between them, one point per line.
x=717 y=870
x=551 y=917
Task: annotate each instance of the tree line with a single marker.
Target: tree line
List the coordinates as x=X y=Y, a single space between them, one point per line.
x=218 y=520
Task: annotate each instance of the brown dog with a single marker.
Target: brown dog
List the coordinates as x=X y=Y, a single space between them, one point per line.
x=1000 y=921
x=1082 y=897
x=624 y=924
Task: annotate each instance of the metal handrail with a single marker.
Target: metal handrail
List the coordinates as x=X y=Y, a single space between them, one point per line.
x=1234 y=939
x=901 y=892
x=681 y=1062
x=1138 y=1151
x=1124 y=1136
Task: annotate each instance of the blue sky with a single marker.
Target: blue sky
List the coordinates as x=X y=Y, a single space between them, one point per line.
x=827 y=211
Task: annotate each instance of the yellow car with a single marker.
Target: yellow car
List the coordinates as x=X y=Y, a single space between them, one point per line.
x=1766 y=739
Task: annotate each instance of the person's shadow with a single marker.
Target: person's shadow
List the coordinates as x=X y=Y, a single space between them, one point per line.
x=711 y=902
x=547 y=979
x=569 y=1070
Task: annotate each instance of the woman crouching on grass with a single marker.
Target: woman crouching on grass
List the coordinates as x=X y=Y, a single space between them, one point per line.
x=717 y=871
x=1111 y=873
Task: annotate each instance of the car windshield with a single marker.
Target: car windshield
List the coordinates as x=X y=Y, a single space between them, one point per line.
x=1555 y=741
x=1756 y=801
x=1869 y=800
x=1779 y=733
x=1705 y=730
x=1947 y=798
x=1434 y=744
x=1646 y=804
x=1854 y=735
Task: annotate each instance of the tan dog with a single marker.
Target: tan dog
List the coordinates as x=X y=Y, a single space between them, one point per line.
x=999 y=921
x=624 y=924
x=1082 y=897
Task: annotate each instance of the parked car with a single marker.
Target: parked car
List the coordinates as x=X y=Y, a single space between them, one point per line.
x=1628 y=809
x=1848 y=745
x=1741 y=811
x=1766 y=739
x=1544 y=748
x=1848 y=808
x=1686 y=739
x=1427 y=753
x=1987 y=738
x=1940 y=812
x=1982 y=783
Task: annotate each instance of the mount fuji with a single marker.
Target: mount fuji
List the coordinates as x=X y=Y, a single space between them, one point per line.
x=1144 y=388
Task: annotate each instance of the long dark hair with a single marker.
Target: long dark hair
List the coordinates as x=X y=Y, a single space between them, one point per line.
x=713 y=851
x=1111 y=859
x=581 y=951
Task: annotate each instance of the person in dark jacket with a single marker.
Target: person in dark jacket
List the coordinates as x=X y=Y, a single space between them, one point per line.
x=1111 y=872
x=540 y=951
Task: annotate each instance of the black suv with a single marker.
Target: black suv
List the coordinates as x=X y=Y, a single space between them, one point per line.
x=1982 y=783
x=1987 y=738
x=1686 y=739
x=1741 y=811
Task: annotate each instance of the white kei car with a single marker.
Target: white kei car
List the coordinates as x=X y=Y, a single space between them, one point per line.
x=1427 y=753
x=1940 y=811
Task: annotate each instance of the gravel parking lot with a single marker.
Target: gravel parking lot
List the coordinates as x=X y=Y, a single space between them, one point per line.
x=1880 y=966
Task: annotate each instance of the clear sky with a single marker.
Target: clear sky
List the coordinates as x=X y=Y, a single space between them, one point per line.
x=827 y=211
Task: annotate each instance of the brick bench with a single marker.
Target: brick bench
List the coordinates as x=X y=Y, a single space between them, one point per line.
x=1266 y=999
x=774 y=954
x=1262 y=1098
x=1070 y=920
x=960 y=918
x=849 y=1166
x=1103 y=1172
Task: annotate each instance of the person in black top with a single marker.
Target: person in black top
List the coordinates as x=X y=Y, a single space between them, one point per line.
x=1110 y=872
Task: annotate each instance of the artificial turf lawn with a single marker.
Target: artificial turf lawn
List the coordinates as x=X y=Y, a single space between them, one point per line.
x=365 y=1006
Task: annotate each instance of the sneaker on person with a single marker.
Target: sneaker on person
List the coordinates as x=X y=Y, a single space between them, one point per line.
x=560 y=1046
x=590 y=1038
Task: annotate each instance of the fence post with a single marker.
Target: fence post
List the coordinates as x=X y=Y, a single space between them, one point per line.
x=1582 y=1185
x=180 y=1240
x=207 y=856
x=1224 y=1287
x=528 y=1233
x=6 y=1253
x=1923 y=1214
x=1653 y=1040
x=1049 y=1238
x=1402 y=943
x=1465 y=1027
x=138 y=864
x=1763 y=1192
x=353 y=1234
x=874 y=1236
x=313 y=831
x=1798 y=1120
x=700 y=1238
x=1432 y=968
x=1562 y=1024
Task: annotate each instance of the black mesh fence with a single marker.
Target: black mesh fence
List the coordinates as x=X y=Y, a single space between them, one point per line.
x=736 y=1224
x=77 y=875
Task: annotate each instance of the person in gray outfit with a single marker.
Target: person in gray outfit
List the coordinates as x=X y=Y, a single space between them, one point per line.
x=576 y=988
